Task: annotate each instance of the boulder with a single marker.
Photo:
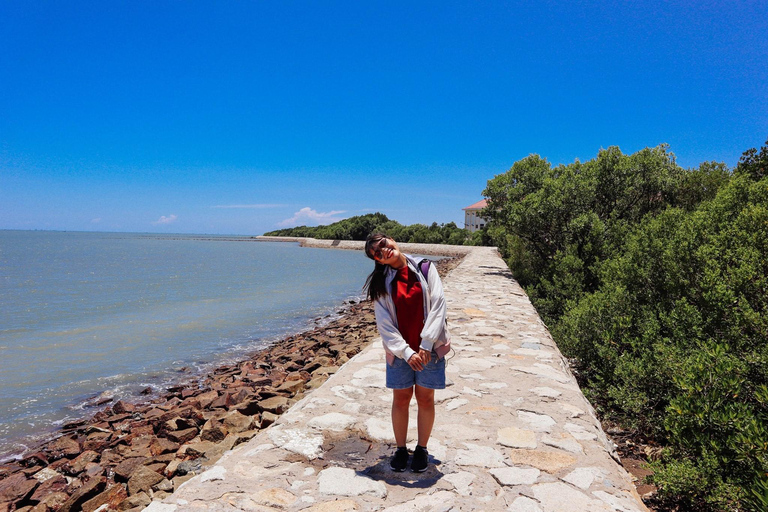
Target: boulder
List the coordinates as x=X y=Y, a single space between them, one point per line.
x=183 y=436
x=179 y=423
x=111 y=497
x=236 y=422
x=138 y=501
x=170 y=469
x=225 y=400
x=248 y=407
x=63 y=447
x=188 y=467
x=161 y=445
x=325 y=370
x=84 y=493
x=205 y=399
x=164 y=485
x=17 y=487
x=97 y=441
x=213 y=431
x=142 y=480
x=242 y=437
x=121 y=407
x=267 y=418
x=50 y=502
x=78 y=464
x=125 y=469
x=291 y=387
x=276 y=404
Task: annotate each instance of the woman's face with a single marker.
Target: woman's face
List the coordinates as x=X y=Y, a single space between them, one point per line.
x=386 y=252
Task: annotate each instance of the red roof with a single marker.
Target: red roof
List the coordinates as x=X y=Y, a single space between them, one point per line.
x=477 y=206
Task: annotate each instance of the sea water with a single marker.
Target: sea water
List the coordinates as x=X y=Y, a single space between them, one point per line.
x=88 y=316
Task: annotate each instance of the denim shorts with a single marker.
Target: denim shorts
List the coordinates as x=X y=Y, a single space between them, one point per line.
x=400 y=375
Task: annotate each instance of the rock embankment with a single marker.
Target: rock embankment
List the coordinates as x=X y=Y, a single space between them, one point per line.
x=128 y=454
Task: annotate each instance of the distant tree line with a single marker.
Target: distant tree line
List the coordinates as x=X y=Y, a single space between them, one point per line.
x=359 y=227
x=653 y=280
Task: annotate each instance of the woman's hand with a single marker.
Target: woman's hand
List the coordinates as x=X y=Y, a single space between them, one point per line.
x=418 y=360
x=415 y=362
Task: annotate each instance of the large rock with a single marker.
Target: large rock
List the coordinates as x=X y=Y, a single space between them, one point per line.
x=161 y=445
x=126 y=468
x=208 y=449
x=111 y=497
x=205 y=399
x=16 y=487
x=275 y=404
x=79 y=463
x=64 y=447
x=142 y=480
x=213 y=431
x=84 y=493
x=291 y=386
x=51 y=485
x=236 y=422
x=52 y=501
x=141 y=499
x=183 y=436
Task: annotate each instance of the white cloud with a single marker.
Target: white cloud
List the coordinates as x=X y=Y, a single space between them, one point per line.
x=96 y=220
x=249 y=205
x=309 y=217
x=166 y=220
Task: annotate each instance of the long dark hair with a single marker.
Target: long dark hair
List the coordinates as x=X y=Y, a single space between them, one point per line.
x=375 y=286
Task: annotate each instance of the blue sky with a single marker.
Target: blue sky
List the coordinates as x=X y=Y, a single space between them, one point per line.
x=242 y=117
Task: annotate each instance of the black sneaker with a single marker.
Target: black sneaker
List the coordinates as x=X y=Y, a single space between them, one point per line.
x=400 y=461
x=419 y=462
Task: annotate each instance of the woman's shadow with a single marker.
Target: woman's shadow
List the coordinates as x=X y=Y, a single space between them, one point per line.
x=382 y=472
x=370 y=459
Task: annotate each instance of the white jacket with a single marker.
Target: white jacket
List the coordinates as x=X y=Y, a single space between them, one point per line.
x=434 y=335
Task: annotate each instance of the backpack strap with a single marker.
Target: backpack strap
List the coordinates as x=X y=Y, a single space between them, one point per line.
x=424 y=267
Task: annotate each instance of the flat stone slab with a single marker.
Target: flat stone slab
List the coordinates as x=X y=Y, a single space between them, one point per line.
x=298 y=440
x=515 y=476
x=332 y=421
x=461 y=481
x=345 y=482
x=478 y=455
x=516 y=438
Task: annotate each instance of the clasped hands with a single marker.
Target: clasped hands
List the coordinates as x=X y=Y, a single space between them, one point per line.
x=418 y=360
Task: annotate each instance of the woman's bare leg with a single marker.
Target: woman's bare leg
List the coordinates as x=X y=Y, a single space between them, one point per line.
x=425 y=397
x=401 y=400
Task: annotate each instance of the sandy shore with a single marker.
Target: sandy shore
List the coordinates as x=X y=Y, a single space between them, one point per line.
x=151 y=447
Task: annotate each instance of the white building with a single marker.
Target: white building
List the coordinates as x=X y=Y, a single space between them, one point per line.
x=471 y=220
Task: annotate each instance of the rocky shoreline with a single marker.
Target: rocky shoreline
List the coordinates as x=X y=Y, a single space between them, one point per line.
x=128 y=454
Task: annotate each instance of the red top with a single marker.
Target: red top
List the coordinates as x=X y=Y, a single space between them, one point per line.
x=409 y=304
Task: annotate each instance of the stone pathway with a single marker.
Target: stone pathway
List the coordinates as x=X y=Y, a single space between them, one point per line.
x=513 y=431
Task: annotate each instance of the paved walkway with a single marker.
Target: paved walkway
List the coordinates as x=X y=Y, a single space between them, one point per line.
x=513 y=432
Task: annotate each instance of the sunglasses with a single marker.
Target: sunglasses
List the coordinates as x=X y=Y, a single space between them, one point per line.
x=377 y=247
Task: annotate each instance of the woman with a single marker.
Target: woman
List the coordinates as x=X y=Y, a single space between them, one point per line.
x=410 y=314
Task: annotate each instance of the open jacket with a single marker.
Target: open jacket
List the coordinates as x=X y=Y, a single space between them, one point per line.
x=434 y=335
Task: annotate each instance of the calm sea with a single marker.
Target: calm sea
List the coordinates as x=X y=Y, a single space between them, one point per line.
x=84 y=315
